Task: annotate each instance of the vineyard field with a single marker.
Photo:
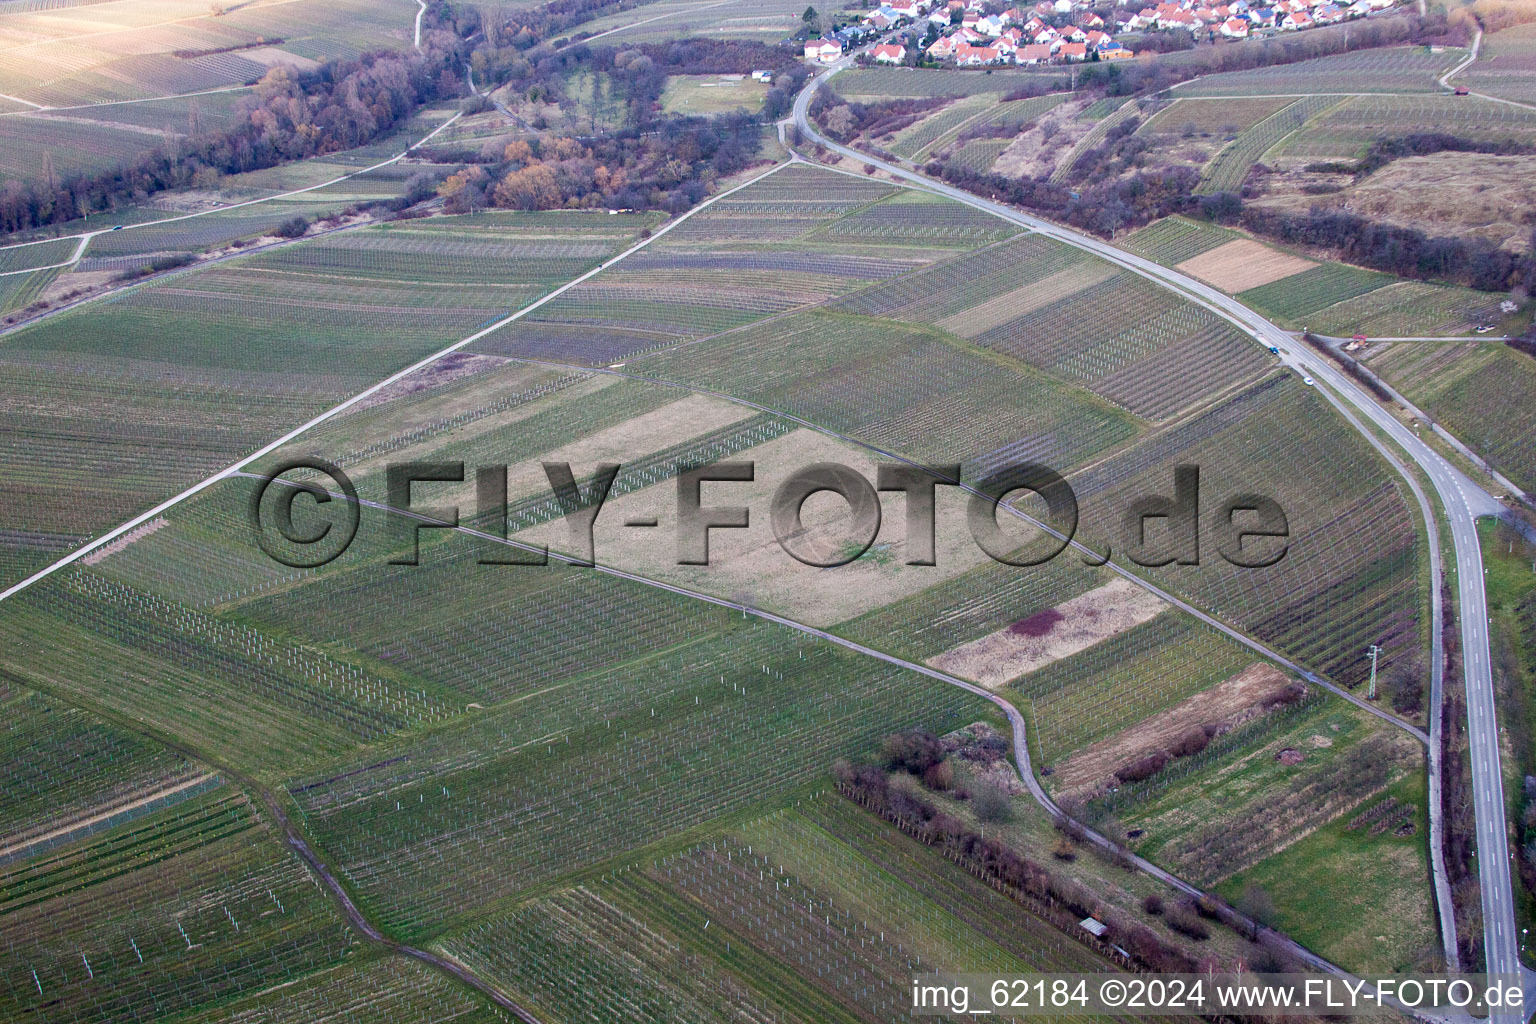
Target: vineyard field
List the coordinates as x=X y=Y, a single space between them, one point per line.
x=1394 y=69
x=1470 y=388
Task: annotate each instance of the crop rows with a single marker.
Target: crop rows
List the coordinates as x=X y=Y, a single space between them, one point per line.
x=863 y=84
x=916 y=142
x=190 y=905
x=910 y=216
x=1124 y=679
x=1394 y=69
x=1095 y=135
x=60 y=761
x=1173 y=240
x=956 y=285
x=1228 y=169
x=1471 y=390
x=1349 y=575
x=838 y=953
x=1405 y=309
x=387 y=989
x=41 y=254
x=1202 y=115
x=579 y=956
x=582 y=772
x=979 y=154
x=898 y=388
x=1311 y=290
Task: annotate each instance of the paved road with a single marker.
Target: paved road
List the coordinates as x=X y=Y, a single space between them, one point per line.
x=1509 y=486
x=1462 y=499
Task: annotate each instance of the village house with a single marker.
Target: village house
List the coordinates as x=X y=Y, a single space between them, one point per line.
x=890 y=53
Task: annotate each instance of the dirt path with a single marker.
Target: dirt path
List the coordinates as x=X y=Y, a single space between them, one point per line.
x=103 y=815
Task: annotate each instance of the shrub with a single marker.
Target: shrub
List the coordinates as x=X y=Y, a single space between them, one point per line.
x=915 y=750
x=1143 y=767
x=1184 y=921
x=1152 y=903
x=939 y=776
x=989 y=802
x=292 y=228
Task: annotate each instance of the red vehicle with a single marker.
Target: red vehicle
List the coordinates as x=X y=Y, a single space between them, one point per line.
x=1461 y=90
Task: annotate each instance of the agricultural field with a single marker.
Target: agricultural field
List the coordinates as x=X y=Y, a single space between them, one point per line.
x=1284 y=804
x=625 y=775
x=1344 y=130
x=767 y=21
x=1405 y=309
x=74 y=56
x=873 y=84
x=688 y=922
x=307 y=339
x=1394 y=69
x=703 y=95
x=1506 y=66
x=1469 y=388
x=1229 y=168
x=1332 y=298
x=134 y=883
x=1350 y=573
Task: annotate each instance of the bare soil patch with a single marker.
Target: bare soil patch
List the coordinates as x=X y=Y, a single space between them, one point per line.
x=977 y=320
x=450 y=368
x=137 y=533
x=1049 y=141
x=749 y=566
x=1216 y=710
x=1051 y=634
x=1242 y=264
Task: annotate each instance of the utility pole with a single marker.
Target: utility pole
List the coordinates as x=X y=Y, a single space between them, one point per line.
x=1374 y=652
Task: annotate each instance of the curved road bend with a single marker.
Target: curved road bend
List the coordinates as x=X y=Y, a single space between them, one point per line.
x=1461 y=498
x=1015 y=719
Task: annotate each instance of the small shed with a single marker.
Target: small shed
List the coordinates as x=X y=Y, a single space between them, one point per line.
x=1093 y=926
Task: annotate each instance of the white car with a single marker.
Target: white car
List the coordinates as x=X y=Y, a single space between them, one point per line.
x=1309 y=382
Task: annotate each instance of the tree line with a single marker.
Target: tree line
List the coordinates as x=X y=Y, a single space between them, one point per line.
x=290 y=116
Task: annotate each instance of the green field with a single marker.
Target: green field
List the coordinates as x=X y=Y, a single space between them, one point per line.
x=703 y=95
x=1394 y=69
x=737 y=926
x=1470 y=388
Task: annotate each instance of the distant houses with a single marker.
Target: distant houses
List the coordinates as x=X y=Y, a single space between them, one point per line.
x=973 y=33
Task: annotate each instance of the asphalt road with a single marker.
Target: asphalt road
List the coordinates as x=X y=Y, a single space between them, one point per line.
x=1462 y=499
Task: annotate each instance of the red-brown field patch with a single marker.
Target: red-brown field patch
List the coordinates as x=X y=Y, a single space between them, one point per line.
x=1215 y=710
x=1051 y=634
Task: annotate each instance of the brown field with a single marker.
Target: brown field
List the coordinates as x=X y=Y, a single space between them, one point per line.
x=1223 y=706
x=445 y=370
x=1457 y=194
x=1051 y=634
x=749 y=564
x=1243 y=264
x=980 y=319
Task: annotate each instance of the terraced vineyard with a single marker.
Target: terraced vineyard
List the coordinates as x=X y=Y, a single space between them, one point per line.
x=1226 y=172
x=1392 y=69
x=1095 y=136
x=1344 y=131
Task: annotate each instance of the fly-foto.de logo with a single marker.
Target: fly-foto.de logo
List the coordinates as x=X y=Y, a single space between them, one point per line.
x=304 y=523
